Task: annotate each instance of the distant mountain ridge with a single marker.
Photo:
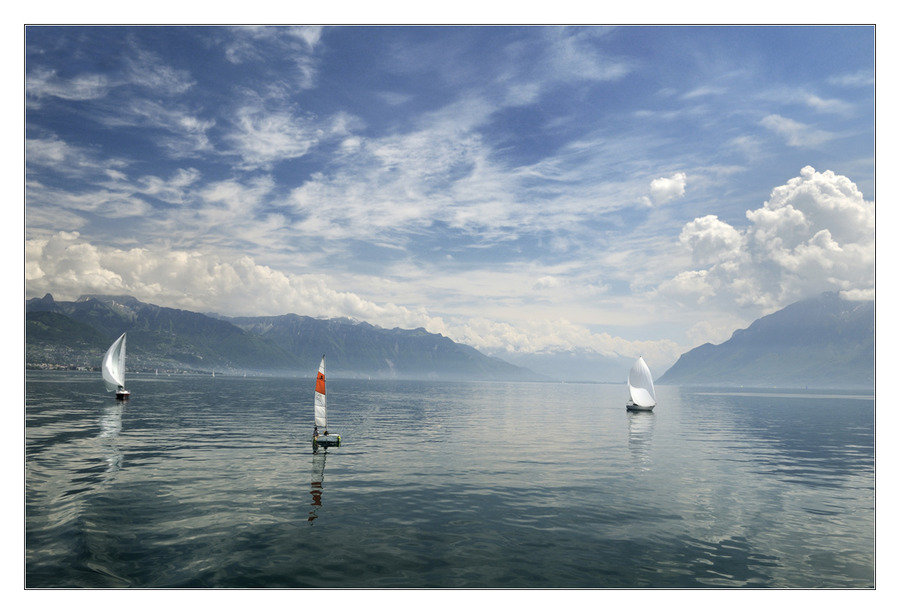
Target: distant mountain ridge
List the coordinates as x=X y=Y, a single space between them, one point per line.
x=823 y=342
x=361 y=349
x=78 y=332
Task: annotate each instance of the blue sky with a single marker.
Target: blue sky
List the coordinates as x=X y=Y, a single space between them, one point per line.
x=630 y=190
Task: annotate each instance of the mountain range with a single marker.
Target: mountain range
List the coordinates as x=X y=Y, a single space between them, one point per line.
x=77 y=333
x=822 y=342
x=825 y=341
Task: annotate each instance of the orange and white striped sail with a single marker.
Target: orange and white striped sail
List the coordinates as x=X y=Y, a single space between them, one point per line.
x=320 y=405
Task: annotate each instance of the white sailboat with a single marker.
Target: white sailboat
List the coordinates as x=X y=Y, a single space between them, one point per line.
x=325 y=439
x=641 y=394
x=113 y=369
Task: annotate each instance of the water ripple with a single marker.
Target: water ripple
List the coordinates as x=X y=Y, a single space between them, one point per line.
x=198 y=482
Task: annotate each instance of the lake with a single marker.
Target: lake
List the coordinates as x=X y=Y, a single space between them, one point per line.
x=212 y=482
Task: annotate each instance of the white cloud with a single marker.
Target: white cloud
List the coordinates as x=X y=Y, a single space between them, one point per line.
x=704 y=91
x=830 y=105
x=545 y=335
x=42 y=83
x=262 y=138
x=52 y=153
x=46 y=203
x=861 y=78
x=171 y=191
x=815 y=233
x=795 y=134
x=403 y=184
x=710 y=240
x=182 y=132
x=260 y=44
x=667 y=189
x=688 y=286
x=547 y=282
x=67 y=266
x=146 y=69
x=574 y=55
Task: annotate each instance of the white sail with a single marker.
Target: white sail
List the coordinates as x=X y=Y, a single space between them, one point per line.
x=114 y=365
x=320 y=405
x=640 y=385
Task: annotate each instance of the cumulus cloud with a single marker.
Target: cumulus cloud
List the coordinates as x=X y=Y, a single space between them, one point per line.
x=710 y=240
x=667 y=189
x=67 y=266
x=815 y=233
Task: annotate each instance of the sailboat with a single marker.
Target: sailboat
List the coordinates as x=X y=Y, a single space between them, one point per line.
x=641 y=395
x=326 y=439
x=113 y=369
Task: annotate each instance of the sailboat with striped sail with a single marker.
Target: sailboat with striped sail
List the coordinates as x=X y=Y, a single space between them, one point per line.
x=320 y=405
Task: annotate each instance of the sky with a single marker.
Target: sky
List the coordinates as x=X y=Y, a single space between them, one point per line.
x=621 y=190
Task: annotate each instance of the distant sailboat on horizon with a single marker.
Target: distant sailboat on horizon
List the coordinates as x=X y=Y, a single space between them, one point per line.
x=321 y=413
x=113 y=369
x=641 y=394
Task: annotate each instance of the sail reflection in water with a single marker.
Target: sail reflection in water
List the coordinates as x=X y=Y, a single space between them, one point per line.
x=640 y=435
x=315 y=485
x=110 y=428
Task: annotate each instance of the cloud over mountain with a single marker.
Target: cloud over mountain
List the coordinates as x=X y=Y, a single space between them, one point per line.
x=517 y=189
x=815 y=233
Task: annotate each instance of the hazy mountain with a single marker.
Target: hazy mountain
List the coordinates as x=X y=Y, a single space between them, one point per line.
x=158 y=337
x=361 y=349
x=580 y=365
x=54 y=338
x=78 y=333
x=821 y=342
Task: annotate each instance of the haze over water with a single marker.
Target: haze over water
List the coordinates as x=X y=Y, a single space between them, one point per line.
x=212 y=482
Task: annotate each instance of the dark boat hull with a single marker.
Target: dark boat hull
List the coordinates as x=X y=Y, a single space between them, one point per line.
x=327 y=441
x=633 y=407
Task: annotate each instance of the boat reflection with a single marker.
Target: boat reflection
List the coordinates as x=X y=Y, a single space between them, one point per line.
x=110 y=428
x=640 y=435
x=317 y=477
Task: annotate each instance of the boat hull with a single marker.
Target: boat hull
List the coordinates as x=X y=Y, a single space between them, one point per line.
x=633 y=407
x=123 y=395
x=327 y=441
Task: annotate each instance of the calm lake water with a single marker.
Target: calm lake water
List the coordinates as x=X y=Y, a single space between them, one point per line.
x=212 y=482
